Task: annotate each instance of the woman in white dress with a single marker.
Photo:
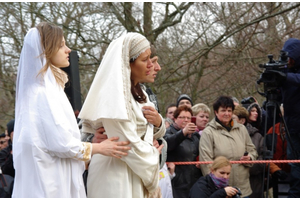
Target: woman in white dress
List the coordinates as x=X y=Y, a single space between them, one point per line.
x=47 y=152
x=117 y=102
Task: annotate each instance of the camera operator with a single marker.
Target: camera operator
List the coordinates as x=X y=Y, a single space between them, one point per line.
x=291 y=102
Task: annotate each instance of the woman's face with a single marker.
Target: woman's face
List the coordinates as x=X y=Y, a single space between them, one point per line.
x=224 y=115
x=61 y=58
x=183 y=118
x=253 y=114
x=222 y=172
x=141 y=68
x=201 y=120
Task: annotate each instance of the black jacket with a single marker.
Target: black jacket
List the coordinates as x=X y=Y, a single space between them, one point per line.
x=6 y=161
x=205 y=188
x=183 y=149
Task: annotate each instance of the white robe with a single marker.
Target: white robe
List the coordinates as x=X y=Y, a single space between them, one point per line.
x=47 y=150
x=136 y=174
x=109 y=103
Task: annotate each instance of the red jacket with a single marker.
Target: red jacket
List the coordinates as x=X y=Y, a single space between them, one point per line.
x=280 y=147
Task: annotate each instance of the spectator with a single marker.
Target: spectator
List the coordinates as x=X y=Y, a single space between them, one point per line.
x=215 y=184
x=170 y=111
x=280 y=143
x=183 y=143
x=225 y=137
x=48 y=155
x=241 y=114
x=201 y=112
x=3 y=141
x=184 y=99
x=170 y=114
x=166 y=174
x=6 y=157
x=131 y=116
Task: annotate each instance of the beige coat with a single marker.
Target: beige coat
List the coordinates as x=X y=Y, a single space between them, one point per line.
x=217 y=141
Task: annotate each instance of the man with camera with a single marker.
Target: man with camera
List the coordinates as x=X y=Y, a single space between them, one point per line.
x=290 y=91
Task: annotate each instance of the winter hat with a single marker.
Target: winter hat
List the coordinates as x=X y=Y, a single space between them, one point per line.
x=139 y=45
x=184 y=96
x=292 y=46
x=10 y=126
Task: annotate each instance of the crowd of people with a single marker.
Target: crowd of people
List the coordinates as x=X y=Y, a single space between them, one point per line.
x=121 y=146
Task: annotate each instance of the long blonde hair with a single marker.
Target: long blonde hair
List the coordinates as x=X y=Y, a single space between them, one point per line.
x=51 y=37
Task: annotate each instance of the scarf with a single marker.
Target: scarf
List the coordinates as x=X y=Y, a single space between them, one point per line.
x=219 y=182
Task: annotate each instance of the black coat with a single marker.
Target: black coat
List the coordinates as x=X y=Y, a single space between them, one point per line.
x=206 y=188
x=6 y=161
x=183 y=149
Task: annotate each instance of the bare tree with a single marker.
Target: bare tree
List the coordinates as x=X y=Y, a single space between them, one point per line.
x=205 y=49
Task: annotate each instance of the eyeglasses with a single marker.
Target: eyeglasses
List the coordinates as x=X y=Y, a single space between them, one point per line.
x=182 y=117
x=2 y=142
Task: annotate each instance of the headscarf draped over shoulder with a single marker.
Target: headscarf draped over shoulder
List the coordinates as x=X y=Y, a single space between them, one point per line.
x=109 y=96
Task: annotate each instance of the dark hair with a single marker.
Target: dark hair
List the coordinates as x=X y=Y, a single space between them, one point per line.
x=169 y=106
x=223 y=101
x=180 y=109
x=138 y=93
x=2 y=135
x=153 y=51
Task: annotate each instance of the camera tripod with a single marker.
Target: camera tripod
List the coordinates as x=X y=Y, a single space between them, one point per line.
x=272 y=104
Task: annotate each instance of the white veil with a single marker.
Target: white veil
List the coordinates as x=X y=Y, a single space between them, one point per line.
x=109 y=96
x=45 y=124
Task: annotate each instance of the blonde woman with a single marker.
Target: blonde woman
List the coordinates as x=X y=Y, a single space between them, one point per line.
x=215 y=184
x=47 y=152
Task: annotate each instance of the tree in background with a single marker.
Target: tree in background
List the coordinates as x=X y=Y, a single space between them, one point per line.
x=205 y=49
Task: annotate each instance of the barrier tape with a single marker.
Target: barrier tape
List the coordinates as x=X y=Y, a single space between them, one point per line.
x=237 y=162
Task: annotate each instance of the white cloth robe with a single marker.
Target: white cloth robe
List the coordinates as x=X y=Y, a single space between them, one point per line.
x=134 y=175
x=47 y=151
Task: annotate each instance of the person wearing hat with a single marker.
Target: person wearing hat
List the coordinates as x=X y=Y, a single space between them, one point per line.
x=290 y=91
x=184 y=99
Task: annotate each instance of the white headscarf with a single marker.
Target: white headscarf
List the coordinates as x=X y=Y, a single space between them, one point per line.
x=110 y=92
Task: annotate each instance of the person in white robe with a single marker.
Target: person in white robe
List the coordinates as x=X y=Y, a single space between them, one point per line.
x=47 y=152
x=116 y=102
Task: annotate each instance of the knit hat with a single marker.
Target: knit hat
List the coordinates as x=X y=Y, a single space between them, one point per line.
x=292 y=46
x=139 y=45
x=10 y=126
x=184 y=96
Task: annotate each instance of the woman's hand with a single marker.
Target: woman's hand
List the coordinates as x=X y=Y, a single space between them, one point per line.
x=152 y=115
x=156 y=144
x=189 y=129
x=110 y=147
x=171 y=168
x=245 y=158
x=230 y=191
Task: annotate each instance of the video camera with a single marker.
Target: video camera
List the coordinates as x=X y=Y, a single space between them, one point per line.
x=273 y=75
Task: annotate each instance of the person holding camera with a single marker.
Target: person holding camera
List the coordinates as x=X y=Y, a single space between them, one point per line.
x=215 y=184
x=183 y=144
x=223 y=136
x=290 y=91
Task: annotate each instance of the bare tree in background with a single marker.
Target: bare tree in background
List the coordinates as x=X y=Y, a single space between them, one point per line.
x=205 y=49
